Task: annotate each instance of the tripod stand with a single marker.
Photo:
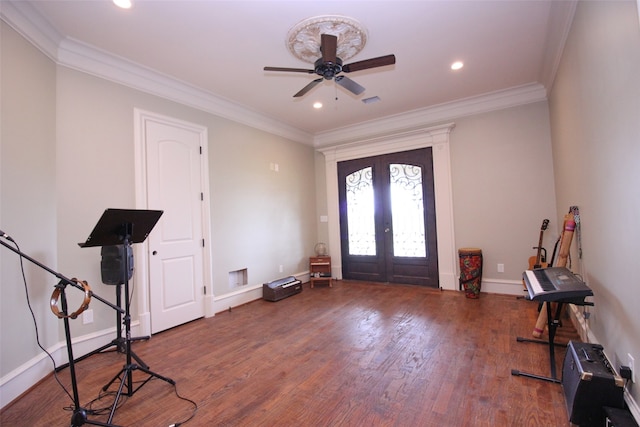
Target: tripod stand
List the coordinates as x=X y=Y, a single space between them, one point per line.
x=79 y=416
x=119 y=342
x=124 y=227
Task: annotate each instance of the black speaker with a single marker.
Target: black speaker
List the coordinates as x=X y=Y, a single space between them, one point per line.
x=616 y=417
x=589 y=383
x=112 y=265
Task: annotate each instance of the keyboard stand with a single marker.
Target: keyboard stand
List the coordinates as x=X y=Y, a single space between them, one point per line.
x=552 y=324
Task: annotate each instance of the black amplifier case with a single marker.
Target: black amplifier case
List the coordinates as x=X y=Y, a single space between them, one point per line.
x=589 y=383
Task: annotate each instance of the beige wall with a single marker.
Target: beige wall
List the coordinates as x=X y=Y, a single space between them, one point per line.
x=502 y=177
x=595 y=122
x=261 y=218
x=68 y=154
x=321 y=198
x=28 y=197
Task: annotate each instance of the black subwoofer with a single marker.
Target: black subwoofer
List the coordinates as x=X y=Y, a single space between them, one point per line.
x=589 y=383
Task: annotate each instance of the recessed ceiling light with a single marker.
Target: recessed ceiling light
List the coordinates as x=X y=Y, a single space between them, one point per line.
x=124 y=4
x=317 y=105
x=457 y=65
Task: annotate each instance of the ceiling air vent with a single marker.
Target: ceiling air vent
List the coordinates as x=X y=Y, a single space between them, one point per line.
x=371 y=100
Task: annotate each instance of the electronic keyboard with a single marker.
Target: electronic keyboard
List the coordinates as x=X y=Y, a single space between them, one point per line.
x=555 y=284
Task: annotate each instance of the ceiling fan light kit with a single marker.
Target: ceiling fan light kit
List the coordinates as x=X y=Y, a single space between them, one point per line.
x=335 y=39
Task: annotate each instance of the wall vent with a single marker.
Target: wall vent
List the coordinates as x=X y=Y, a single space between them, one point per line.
x=238 y=278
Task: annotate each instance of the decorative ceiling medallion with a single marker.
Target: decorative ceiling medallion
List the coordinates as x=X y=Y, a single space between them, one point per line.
x=303 y=40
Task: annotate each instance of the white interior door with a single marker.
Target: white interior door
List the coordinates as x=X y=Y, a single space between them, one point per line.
x=174 y=185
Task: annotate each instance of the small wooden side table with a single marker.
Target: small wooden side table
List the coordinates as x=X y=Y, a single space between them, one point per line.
x=320 y=270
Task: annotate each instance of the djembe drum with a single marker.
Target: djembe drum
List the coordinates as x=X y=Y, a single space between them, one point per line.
x=470 y=271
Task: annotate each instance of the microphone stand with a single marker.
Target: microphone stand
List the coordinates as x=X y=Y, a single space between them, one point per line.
x=79 y=416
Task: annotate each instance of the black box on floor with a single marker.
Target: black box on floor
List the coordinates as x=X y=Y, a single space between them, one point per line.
x=616 y=417
x=589 y=383
x=281 y=288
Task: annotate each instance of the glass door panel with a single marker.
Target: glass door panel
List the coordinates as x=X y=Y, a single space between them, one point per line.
x=360 y=212
x=387 y=218
x=407 y=210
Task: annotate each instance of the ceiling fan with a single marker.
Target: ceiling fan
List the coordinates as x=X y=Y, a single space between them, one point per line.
x=329 y=66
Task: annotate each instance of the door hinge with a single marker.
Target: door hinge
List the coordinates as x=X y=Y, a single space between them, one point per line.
x=204 y=289
x=203 y=243
x=200 y=149
x=201 y=197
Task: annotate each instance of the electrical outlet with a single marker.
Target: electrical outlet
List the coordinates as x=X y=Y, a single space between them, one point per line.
x=631 y=365
x=500 y=268
x=87 y=317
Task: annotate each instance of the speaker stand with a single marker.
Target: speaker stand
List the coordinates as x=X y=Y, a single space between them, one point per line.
x=124 y=227
x=125 y=375
x=119 y=342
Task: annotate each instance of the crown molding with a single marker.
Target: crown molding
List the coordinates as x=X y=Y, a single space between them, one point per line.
x=27 y=22
x=76 y=55
x=560 y=19
x=417 y=119
x=82 y=57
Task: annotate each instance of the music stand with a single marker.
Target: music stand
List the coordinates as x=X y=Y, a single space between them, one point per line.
x=125 y=227
x=103 y=231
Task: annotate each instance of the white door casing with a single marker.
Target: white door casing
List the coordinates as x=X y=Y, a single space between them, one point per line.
x=428 y=136
x=173 y=266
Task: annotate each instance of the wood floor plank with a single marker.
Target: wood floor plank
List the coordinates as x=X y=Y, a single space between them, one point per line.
x=357 y=354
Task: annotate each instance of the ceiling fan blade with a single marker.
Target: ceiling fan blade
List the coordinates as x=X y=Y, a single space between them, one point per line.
x=349 y=85
x=307 y=88
x=381 y=61
x=328 y=48
x=293 y=70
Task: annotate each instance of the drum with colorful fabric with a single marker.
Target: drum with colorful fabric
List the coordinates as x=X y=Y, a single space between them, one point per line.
x=470 y=271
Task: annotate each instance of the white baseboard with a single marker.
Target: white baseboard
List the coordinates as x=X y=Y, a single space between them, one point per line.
x=580 y=323
x=245 y=295
x=29 y=373
x=506 y=287
x=633 y=405
x=21 y=379
x=236 y=298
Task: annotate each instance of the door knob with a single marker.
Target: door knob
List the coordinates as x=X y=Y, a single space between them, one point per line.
x=154 y=253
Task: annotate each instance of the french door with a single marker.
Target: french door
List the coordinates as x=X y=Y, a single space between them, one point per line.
x=387 y=218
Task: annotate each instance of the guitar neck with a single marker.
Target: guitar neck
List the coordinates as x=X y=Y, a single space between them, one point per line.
x=539 y=253
x=538 y=263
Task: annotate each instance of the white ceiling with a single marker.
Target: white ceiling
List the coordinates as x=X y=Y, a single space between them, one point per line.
x=221 y=48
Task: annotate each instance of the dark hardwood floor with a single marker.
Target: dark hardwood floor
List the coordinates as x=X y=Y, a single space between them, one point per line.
x=357 y=354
